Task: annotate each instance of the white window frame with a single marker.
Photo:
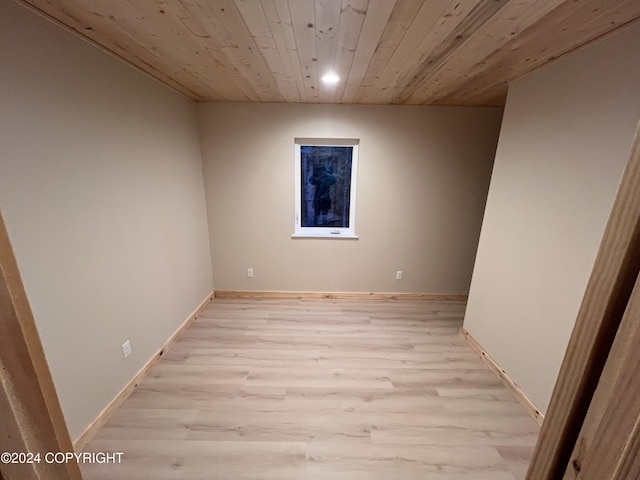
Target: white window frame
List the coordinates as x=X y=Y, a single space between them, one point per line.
x=325 y=232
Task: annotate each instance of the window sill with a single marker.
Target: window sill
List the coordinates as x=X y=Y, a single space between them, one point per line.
x=344 y=236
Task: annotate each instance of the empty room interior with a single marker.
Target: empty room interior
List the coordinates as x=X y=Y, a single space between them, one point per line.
x=307 y=239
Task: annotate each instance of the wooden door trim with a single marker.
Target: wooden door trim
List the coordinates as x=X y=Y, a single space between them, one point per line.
x=25 y=381
x=605 y=300
x=608 y=442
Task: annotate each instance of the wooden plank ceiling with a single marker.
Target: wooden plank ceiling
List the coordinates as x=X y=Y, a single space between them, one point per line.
x=446 y=52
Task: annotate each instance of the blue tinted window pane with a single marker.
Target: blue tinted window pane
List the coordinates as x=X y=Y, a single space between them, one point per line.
x=326 y=186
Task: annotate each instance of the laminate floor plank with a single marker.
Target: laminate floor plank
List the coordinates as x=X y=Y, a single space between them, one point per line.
x=253 y=357
x=488 y=429
x=421 y=377
x=326 y=357
x=296 y=376
x=319 y=389
x=516 y=458
x=407 y=401
x=150 y=423
x=281 y=427
x=392 y=462
x=233 y=398
x=270 y=342
x=310 y=319
x=198 y=460
x=184 y=374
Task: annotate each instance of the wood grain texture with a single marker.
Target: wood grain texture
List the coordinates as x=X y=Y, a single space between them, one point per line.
x=607 y=446
x=609 y=288
x=506 y=379
x=261 y=388
x=531 y=49
x=454 y=52
x=113 y=406
x=31 y=418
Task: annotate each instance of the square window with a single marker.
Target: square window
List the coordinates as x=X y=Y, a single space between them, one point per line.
x=325 y=187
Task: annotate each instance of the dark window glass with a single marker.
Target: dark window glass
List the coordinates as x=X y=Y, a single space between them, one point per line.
x=326 y=185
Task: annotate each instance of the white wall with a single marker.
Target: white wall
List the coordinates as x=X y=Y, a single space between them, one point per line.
x=101 y=189
x=566 y=136
x=422 y=183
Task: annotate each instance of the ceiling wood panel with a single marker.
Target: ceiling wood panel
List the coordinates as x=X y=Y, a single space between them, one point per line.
x=472 y=56
x=398 y=24
x=303 y=23
x=448 y=52
x=279 y=19
x=327 y=16
x=372 y=30
x=349 y=28
x=536 y=45
x=423 y=22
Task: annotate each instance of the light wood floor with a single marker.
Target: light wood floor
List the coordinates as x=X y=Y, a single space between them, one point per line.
x=319 y=390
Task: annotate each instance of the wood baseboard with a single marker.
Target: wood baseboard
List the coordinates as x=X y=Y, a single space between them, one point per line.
x=342 y=295
x=537 y=415
x=108 y=411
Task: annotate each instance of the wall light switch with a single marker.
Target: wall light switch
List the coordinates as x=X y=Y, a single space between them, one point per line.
x=399 y=275
x=126 y=349
x=250 y=272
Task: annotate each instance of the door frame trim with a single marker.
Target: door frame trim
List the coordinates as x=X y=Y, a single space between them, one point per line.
x=26 y=385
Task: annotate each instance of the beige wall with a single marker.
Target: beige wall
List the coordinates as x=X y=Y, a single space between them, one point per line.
x=565 y=139
x=422 y=183
x=101 y=188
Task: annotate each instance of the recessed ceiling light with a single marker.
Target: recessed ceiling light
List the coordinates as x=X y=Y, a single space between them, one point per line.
x=330 y=78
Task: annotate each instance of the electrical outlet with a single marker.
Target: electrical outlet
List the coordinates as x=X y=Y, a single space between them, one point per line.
x=250 y=272
x=126 y=349
x=399 y=275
